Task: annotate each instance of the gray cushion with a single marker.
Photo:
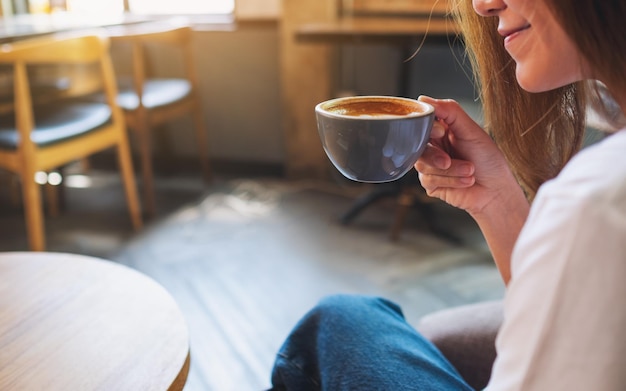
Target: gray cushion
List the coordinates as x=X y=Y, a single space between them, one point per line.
x=157 y=93
x=56 y=122
x=466 y=336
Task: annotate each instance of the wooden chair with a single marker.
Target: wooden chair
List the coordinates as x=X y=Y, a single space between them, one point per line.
x=40 y=137
x=150 y=101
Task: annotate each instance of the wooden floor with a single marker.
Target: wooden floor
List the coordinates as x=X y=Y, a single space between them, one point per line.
x=245 y=259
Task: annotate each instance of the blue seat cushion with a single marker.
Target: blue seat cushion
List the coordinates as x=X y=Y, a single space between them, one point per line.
x=157 y=93
x=57 y=122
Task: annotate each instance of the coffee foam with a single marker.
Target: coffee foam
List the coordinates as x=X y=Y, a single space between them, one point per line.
x=375 y=109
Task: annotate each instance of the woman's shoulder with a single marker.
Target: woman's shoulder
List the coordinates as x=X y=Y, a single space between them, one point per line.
x=585 y=203
x=596 y=172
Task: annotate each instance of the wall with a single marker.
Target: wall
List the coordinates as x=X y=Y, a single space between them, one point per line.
x=438 y=70
x=258 y=9
x=240 y=87
x=240 y=80
x=239 y=74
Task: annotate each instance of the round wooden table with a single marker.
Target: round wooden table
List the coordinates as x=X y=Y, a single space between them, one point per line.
x=72 y=322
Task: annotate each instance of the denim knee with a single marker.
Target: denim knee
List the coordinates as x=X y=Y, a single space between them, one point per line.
x=351 y=342
x=341 y=330
x=350 y=309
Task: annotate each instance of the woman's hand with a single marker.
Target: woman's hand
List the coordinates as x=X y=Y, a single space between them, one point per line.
x=462 y=165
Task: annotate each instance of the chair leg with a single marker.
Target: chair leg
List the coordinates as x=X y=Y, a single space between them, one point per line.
x=405 y=201
x=368 y=199
x=201 y=136
x=31 y=196
x=146 y=168
x=85 y=165
x=52 y=200
x=14 y=186
x=128 y=178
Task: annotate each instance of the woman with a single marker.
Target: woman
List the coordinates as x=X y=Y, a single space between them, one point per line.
x=563 y=258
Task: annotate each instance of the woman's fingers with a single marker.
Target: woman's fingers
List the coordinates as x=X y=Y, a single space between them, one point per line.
x=457 y=173
x=437 y=170
x=435 y=161
x=452 y=115
x=431 y=182
x=433 y=157
x=438 y=131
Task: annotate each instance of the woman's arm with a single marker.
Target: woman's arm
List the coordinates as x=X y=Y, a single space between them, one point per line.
x=463 y=167
x=501 y=223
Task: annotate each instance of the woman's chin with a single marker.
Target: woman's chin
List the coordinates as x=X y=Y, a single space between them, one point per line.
x=533 y=84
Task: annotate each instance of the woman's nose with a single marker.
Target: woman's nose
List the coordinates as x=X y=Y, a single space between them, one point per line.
x=488 y=7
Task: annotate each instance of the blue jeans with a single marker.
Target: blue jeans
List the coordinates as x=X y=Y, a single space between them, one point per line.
x=360 y=343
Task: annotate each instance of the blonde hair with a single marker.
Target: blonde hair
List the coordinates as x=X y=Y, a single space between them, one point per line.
x=537 y=132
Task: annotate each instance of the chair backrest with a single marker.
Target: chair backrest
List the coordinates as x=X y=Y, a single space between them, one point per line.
x=159 y=34
x=54 y=50
x=59 y=50
x=141 y=38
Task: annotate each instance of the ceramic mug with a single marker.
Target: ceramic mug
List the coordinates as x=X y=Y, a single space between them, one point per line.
x=374 y=138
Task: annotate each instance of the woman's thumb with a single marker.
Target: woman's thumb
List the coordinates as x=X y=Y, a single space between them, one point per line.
x=453 y=116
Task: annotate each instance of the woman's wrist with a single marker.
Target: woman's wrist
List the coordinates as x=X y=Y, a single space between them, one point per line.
x=501 y=221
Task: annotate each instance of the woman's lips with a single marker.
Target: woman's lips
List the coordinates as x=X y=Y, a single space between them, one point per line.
x=509 y=35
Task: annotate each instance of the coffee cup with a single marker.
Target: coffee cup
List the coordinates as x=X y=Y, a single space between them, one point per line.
x=374 y=139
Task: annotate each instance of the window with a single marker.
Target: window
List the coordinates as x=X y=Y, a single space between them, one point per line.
x=181 y=6
x=95 y=8
x=116 y=7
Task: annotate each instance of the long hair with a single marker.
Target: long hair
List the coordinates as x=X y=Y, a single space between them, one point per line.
x=602 y=45
x=537 y=132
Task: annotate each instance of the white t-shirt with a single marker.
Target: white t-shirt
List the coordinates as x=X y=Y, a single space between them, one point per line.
x=565 y=307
